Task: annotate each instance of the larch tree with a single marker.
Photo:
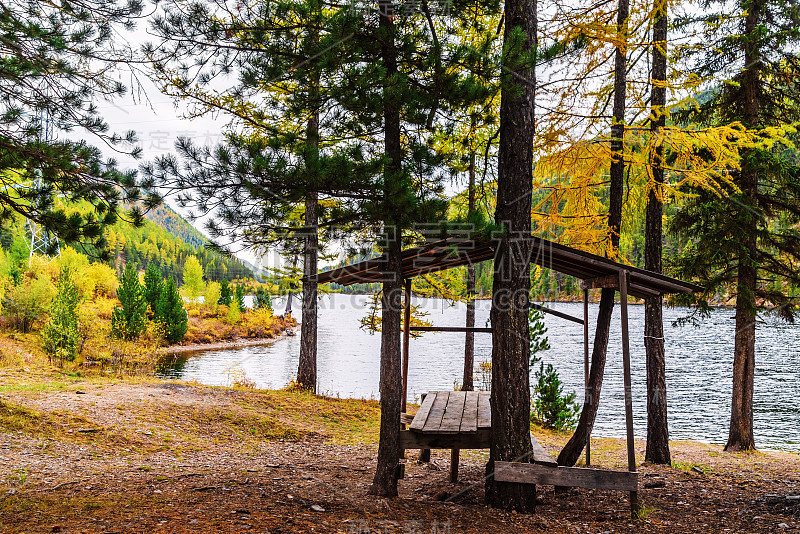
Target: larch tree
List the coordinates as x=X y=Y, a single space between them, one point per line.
x=572 y=450
x=738 y=236
x=579 y=169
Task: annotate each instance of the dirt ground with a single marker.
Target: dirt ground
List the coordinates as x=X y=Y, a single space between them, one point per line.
x=167 y=457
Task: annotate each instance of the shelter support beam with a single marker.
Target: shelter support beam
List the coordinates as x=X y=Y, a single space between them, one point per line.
x=562 y=315
x=406 y=338
x=586 y=367
x=626 y=365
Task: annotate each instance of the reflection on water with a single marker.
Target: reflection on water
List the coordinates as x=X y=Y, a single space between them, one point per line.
x=699 y=366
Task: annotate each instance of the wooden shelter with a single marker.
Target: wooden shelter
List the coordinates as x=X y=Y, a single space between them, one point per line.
x=456 y=420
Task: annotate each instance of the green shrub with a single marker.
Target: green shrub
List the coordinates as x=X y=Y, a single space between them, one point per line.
x=129 y=320
x=29 y=301
x=60 y=335
x=551 y=407
x=170 y=312
x=234 y=314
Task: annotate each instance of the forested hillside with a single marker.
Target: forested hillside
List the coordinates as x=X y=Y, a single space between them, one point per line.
x=165 y=239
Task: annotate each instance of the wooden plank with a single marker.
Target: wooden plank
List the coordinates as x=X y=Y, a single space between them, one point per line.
x=438 y=408
x=469 y=423
x=484 y=410
x=451 y=329
x=415 y=440
x=541 y=456
x=454 y=411
x=406 y=418
x=576 y=477
x=422 y=414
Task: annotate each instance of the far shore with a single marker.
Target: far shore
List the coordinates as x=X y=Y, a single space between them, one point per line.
x=222 y=345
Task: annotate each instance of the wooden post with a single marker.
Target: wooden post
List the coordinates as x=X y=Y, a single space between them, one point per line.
x=626 y=365
x=406 y=338
x=453 y=465
x=586 y=366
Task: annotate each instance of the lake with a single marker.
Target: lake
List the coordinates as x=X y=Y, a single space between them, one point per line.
x=698 y=359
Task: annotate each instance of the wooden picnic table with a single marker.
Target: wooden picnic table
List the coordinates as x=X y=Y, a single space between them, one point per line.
x=457 y=420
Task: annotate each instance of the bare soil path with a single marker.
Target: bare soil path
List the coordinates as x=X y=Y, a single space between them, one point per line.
x=168 y=457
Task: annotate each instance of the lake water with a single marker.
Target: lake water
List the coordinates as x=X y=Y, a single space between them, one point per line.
x=699 y=365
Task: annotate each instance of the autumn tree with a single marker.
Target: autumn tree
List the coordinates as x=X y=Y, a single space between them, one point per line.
x=193 y=283
x=738 y=236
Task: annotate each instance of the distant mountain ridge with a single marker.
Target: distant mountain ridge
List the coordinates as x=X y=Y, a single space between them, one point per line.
x=171 y=221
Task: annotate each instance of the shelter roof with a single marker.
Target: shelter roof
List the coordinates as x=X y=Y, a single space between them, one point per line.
x=454 y=252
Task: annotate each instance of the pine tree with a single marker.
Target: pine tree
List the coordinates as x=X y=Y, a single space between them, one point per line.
x=60 y=335
x=225 y=296
x=511 y=289
x=171 y=313
x=238 y=297
x=741 y=236
x=57 y=60
x=152 y=288
x=657 y=450
x=129 y=319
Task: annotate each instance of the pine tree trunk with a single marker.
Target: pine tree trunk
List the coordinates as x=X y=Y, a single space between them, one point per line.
x=307 y=365
x=740 y=435
x=469 y=337
x=657 y=450
x=384 y=482
x=577 y=443
x=510 y=396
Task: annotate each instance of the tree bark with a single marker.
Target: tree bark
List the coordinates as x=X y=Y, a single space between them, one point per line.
x=384 y=482
x=740 y=435
x=469 y=337
x=572 y=450
x=510 y=396
x=307 y=365
x=657 y=450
